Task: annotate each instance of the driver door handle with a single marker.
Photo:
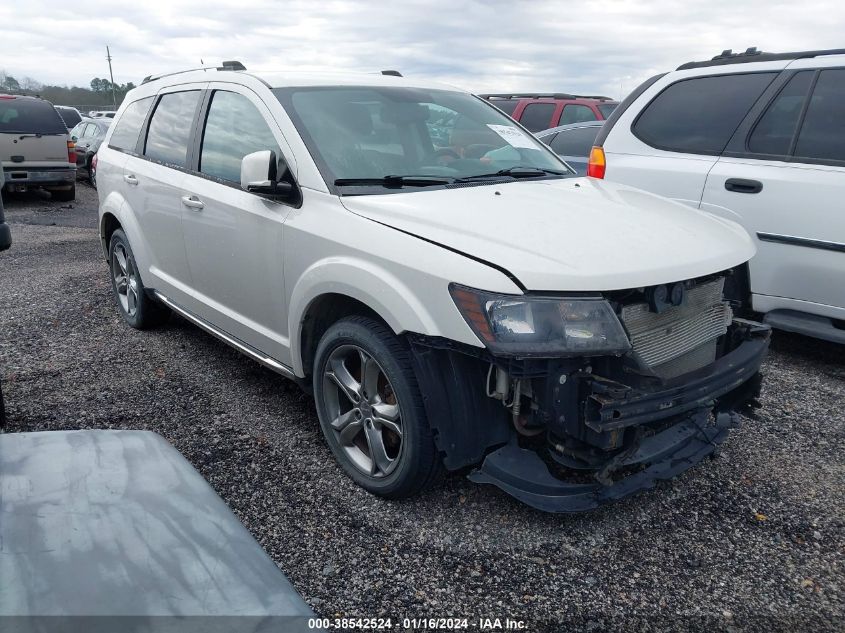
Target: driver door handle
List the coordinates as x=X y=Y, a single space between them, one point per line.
x=193 y=202
x=132 y=180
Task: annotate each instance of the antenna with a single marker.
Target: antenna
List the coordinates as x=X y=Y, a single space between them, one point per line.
x=111 y=77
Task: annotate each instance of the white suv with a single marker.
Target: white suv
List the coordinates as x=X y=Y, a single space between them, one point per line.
x=450 y=292
x=758 y=138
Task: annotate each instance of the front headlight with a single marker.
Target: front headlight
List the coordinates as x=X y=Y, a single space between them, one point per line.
x=541 y=326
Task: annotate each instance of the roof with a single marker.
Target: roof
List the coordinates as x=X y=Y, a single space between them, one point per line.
x=727 y=57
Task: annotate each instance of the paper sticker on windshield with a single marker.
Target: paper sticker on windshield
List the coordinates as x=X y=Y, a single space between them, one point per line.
x=513 y=136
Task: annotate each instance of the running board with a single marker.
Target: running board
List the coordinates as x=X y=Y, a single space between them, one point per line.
x=806 y=324
x=239 y=345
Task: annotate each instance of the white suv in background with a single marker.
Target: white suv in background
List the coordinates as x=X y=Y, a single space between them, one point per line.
x=758 y=138
x=446 y=287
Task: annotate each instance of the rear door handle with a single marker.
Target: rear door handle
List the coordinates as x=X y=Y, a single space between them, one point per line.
x=193 y=202
x=741 y=185
x=131 y=179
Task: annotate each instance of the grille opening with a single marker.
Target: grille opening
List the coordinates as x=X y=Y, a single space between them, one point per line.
x=682 y=338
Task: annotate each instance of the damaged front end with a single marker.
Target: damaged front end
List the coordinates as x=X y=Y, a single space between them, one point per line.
x=578 y=417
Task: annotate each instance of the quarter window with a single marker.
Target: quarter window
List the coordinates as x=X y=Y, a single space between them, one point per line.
x=822 y=134
x=537 y=116
x=128 y=127
x=170 y=128
x=505 y=105
x=607 y=109
x=233 y=128
x=774 y=132
x=700 y=115
x=576 y=114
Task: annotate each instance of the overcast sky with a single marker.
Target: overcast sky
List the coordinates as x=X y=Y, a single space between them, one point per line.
x=598 y=46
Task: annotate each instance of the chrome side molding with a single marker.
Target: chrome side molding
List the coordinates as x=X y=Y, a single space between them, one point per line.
x=239 y=345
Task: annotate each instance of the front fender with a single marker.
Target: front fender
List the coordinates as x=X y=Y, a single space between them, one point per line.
x=375 y=287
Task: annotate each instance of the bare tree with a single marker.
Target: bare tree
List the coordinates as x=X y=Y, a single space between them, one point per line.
x=29 y=84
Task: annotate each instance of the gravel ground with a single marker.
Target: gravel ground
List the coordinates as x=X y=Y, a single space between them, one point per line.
x=750 y=541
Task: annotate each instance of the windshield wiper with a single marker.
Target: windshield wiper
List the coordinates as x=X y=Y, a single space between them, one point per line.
x=395 y=181
x=518 y=172
x=24 y=135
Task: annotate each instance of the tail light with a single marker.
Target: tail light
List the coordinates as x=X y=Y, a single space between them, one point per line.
x=94 y=163
x=71 y=152
x=597 y=165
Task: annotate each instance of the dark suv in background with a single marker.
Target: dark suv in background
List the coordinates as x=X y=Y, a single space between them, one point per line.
x=543 y=111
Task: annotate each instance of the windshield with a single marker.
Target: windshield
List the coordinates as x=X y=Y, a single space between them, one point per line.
x=29 y=116
x=368 y=133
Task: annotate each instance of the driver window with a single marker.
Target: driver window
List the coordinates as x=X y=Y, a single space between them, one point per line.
x=233 y=128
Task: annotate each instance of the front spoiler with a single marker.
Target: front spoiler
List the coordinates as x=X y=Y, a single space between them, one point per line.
x=696 y=434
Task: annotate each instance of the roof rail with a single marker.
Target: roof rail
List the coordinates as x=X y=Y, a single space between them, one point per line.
x=392 y=73
x=727 y=57
x=538 y=95
x=227 y=65
x=232 y=64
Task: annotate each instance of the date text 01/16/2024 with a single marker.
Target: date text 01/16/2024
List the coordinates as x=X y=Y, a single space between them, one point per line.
x=418 y=624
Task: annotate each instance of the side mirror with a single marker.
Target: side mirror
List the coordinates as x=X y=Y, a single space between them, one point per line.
x=259 y=175
x=74 y=139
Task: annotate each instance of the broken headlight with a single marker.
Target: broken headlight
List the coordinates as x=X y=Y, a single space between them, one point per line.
x=541 y=326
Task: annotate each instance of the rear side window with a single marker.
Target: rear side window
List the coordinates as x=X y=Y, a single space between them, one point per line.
x=128 y=127
x=576 y=114
x=822 y=134
x=700 y=115
x=234 y=128
x=775 y=130
x=537 y=116
x=577 y=142
x=505 y=105
x=170 y=128
x=29 y=116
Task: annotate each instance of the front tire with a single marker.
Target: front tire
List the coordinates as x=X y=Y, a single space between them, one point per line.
x=371 y=411
x=137 y=308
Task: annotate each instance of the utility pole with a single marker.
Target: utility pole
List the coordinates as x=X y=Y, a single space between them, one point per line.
x=111 y=77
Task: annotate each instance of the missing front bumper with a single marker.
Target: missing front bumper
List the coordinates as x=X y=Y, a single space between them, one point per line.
x=523 y=474
x=668 y=431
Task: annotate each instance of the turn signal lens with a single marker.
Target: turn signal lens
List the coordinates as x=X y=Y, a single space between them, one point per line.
x=71 y=152
x=597 y=165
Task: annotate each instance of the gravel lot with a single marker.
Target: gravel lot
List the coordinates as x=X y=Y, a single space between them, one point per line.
x=751 y=541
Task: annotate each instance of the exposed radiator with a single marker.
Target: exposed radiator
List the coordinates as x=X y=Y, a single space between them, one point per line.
x=683 y=338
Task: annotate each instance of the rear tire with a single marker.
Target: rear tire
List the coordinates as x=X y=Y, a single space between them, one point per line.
x=136 y=307
x=371 y=410
x=92 y=176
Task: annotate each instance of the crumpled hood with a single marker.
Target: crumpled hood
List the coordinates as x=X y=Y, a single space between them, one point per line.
x=577 y=234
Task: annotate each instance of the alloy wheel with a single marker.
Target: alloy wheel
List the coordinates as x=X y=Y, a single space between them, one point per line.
x=125 y=279
x=364 y=411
